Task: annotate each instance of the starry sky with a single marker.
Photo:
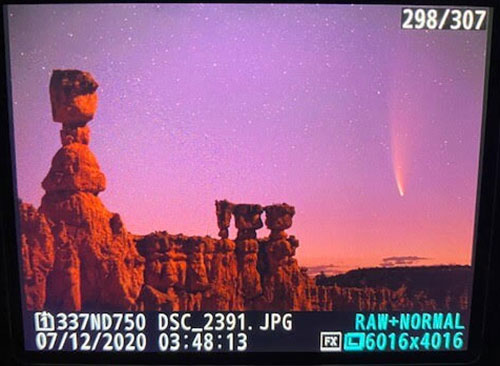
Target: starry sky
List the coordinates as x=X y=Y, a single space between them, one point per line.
x=371 y=132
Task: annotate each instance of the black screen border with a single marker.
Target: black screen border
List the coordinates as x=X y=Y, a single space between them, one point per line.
x=487 y=225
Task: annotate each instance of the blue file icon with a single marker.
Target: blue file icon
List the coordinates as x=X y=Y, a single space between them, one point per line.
x=354 y=341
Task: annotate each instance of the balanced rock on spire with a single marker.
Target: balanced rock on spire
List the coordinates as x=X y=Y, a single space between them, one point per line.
x=73 y=97
x=96 y=262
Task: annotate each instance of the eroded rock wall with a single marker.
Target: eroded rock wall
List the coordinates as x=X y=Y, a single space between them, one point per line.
x=89 y=258
x=203 y=273
x=37 y=255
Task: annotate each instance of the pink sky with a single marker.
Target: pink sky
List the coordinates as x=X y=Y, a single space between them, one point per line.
x=322 y=107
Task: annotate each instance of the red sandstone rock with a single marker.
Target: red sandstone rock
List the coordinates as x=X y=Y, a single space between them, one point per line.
x=165 y=263
x=196 y=275
x=191 y=301
x=111 y=273
x=278 y=219
x=285 y=285
x=73 y=97
x=224 y=210
x=247 y=220
x=74 y=169
x=63 y=283
x=97 y=263
x=37 y=253
x=250 y=279
x=152 y=299
x=70 y=134
x=200 y=271
x=223 y=275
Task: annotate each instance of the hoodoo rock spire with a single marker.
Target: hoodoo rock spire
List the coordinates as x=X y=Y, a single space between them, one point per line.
x=96 y=262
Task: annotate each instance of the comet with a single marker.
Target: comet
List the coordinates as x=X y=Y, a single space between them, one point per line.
x=397 y=151
x=398 y=176
x=399 y=146
x=399 y=182
x=403 y=117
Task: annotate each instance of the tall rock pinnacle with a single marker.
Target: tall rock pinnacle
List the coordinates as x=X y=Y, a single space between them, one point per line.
x=96 y=262
x=223 y=210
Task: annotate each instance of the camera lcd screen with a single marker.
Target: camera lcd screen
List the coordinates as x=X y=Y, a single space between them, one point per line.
x=235 y=178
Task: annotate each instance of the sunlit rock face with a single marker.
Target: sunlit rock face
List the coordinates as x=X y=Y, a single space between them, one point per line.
x=284 y=284
x=73 y=97
x=224 y=210
x=193 y=272
x=279 y=219
x=95 y=261
x=74 y=168
x=37 y=255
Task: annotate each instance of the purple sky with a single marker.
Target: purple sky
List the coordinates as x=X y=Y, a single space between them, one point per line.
x=321 y=107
